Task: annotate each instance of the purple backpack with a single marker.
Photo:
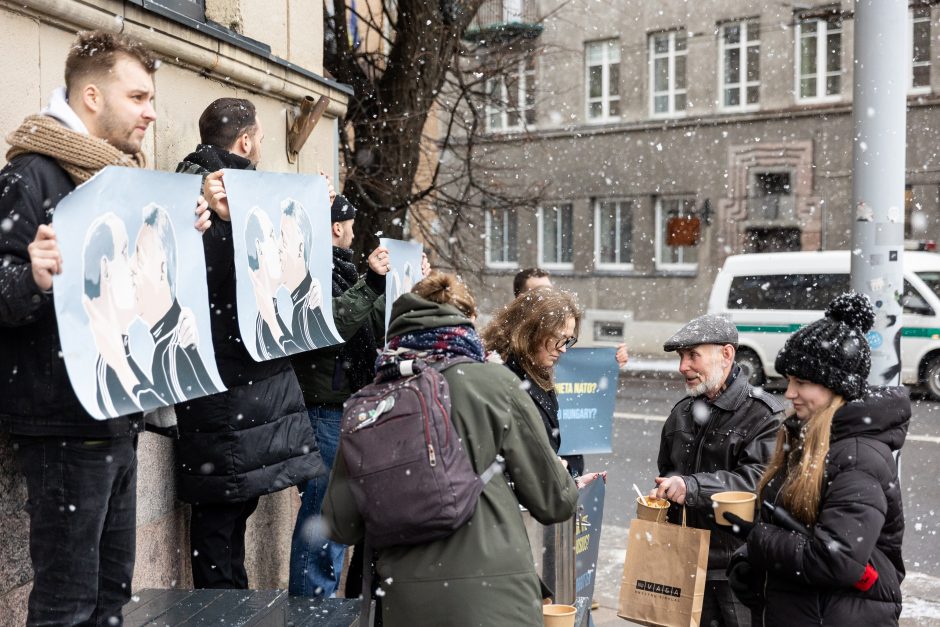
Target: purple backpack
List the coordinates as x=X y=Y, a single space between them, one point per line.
x=410 y=476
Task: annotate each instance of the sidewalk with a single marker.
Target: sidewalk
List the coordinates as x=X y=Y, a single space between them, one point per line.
x=921 y=593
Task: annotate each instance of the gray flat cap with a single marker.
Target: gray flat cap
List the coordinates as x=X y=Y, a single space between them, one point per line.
x=707 y=329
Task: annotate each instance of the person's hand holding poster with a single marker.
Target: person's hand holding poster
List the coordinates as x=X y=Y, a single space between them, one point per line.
x=283 y=261
x=134 y=325
x=406 y=270
x=586 y=384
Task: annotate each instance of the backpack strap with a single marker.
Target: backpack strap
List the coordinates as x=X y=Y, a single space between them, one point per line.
x=409 y=367
x=365 y=608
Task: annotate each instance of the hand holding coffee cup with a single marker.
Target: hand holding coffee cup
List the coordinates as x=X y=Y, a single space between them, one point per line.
x=740 y=504
x=739 y=527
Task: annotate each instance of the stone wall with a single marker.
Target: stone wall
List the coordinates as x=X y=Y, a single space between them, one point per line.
x=196 y=69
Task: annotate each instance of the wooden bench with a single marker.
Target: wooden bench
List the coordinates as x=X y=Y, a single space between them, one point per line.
x=236 y=608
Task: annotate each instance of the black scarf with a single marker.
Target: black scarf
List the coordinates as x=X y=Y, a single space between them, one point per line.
x=345 y=273
x=213 y=158
x=355 y=362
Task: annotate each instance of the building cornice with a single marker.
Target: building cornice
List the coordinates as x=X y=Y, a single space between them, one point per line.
x=186 y=46
x=698 y=122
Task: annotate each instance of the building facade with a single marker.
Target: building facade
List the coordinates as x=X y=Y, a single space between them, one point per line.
x=269 y=52
x=670 y=135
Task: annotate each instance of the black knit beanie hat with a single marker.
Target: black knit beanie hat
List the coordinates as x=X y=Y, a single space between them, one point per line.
x=341 y=210
x=833 y=351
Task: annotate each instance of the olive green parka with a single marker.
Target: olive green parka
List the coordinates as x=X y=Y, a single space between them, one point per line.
x=483 y=574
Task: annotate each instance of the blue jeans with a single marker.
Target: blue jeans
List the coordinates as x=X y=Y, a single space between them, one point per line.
x=82 y=504
x=315 y=561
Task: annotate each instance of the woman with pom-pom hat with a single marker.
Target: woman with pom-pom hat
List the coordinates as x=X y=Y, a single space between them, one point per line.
x=831 y=552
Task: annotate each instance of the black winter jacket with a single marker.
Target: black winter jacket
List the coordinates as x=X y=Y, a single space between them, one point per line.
x=37 y=397
x=728 y=452
x=546 y=401
x=329 y=376
x=255 y=438
x=809 y=581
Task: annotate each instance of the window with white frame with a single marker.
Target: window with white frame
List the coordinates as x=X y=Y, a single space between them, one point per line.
x=613 y=233
x=556 y=235
x=674 y=219
x=740 y=63
x=510 y=104
x=819 y=58
x=602 y=59
x=502 y=235
x=668 y=53
x=920 y=48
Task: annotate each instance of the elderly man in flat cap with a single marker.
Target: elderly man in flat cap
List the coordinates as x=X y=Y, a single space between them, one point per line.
x=719 y=437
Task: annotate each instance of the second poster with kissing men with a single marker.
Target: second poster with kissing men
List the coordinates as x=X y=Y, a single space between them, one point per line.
x=283 y=261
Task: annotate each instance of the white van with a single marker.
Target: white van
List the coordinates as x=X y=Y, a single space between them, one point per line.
x=771 y=295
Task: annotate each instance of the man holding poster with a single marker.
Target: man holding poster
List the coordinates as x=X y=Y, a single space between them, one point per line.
x=254 y=438
x=82 y=557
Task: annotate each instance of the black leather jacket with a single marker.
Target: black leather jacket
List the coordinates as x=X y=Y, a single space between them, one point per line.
x=729 y=451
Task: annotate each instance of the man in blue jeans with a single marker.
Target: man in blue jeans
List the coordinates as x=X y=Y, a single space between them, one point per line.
x=329 y=376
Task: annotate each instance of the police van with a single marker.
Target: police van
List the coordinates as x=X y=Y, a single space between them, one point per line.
x=771 y=295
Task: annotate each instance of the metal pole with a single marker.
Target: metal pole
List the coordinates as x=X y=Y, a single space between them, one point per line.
x=882 y=58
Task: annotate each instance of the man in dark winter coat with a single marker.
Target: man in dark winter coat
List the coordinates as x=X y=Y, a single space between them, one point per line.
x=328 y=377
x=718 y=438
x=81 y=473
x=255 y=438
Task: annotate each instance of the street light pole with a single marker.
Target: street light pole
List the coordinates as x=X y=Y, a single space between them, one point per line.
x=879 y=117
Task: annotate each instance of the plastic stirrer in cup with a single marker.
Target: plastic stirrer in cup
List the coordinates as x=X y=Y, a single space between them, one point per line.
x=641 y=495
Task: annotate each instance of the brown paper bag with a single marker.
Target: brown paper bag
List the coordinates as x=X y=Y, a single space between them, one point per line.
x=664 y=574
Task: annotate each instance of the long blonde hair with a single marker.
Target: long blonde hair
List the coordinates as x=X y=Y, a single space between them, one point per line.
x=803 y=458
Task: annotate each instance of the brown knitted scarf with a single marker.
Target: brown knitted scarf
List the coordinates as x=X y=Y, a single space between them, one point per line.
x=80 y=155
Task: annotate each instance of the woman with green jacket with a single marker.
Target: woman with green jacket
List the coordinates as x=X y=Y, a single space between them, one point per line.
x=483 y=574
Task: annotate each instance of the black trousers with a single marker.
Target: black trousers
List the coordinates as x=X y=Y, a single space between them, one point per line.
x=721 y=608
x=217 y=542
x=82 y=504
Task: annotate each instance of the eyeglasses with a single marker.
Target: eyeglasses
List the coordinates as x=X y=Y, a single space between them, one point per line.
x=565 y=342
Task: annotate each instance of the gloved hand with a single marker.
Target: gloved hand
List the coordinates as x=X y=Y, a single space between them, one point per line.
x=745 y=580
x=739 y=527
x=746 y=585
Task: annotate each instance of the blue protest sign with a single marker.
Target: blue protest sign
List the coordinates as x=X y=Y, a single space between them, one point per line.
x=586 y=384
x=587 y=538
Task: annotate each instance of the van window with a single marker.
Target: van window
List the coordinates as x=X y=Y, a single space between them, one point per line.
x=913 y=302
x=932 y=279
x=786 y=291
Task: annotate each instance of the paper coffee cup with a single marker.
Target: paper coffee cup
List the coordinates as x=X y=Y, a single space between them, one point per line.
x=737 y=503
x=555 y=615
x=652 y=509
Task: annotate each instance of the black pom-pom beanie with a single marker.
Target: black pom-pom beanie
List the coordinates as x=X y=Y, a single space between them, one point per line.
x=833 y=351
